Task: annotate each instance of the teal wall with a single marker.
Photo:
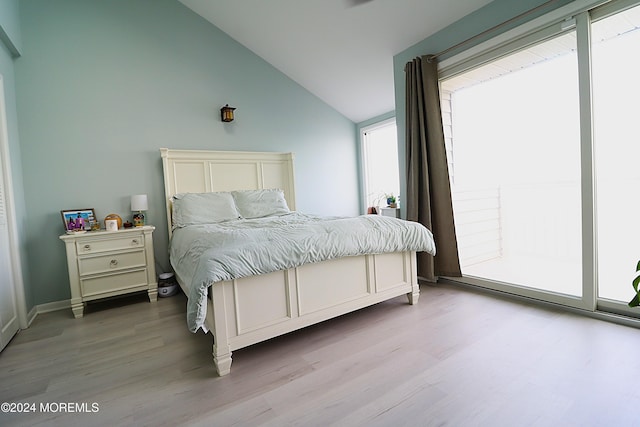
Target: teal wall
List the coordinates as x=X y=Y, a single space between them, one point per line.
x=102 y=85
x=9 y=49
x=10 y=34
x=496 y=12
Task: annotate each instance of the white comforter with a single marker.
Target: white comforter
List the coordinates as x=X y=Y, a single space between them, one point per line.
x=205 y=254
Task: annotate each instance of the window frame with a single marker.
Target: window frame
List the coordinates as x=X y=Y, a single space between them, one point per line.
x=363 y=156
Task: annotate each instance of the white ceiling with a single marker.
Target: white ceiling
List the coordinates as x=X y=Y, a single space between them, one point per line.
x=340 y=50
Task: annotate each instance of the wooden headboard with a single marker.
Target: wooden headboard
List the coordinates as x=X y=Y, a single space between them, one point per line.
x=200 y=171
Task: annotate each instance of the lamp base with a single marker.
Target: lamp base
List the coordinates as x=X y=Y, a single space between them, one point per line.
x=138 y=219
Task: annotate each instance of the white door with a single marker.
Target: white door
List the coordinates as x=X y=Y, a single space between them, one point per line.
x=9 y=322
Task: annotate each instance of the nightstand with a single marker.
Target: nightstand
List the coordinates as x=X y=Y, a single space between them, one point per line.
x=394 y=212
x=107 y=263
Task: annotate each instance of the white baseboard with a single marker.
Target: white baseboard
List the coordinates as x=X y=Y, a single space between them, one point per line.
x=53 y=306
x=31 y=316
x=46 y=308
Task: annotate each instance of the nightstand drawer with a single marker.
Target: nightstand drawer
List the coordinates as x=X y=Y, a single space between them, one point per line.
x=103 y=245
x=113 y=282
x=111 y=262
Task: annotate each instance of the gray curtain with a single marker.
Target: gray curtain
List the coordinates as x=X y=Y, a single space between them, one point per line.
x=428 y=198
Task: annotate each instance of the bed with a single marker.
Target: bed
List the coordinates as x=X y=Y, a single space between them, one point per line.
x=241 y=311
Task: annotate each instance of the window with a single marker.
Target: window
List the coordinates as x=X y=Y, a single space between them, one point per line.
x=616 y=89
x=543 y=133
x=516 y=143
x=380 y=162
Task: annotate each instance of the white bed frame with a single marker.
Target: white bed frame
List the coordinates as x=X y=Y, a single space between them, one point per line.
x=253 y=309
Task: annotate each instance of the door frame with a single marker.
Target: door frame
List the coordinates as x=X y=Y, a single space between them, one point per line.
x=14 y=246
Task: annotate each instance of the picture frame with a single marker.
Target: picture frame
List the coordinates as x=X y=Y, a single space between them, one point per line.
x=78 y=219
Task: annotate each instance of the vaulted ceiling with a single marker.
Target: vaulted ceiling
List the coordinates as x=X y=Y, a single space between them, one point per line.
x=340 y=50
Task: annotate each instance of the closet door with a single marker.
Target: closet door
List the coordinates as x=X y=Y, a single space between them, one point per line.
x=9 y=322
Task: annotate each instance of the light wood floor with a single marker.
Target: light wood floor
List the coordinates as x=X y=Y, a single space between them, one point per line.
x=457 y=358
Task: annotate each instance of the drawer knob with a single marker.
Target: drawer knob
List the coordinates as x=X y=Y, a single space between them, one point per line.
x=113 y=263
x=87 y=247
x=134 y=242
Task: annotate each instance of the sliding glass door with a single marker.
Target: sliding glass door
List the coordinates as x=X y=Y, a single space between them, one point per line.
x=542 y=135
x=515 y=159
x=616 y=91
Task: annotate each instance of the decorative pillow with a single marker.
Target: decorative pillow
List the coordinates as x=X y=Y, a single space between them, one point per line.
x=203 y=208
x=260 y=203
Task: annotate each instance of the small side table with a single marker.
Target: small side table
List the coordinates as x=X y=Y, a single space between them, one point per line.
x=107 y=263
x=393 y=212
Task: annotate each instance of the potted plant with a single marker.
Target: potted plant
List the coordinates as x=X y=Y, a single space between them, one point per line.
x=391 y=200
x=636 y=282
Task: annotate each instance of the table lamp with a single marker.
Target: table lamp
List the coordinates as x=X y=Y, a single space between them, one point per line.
x=139 y=204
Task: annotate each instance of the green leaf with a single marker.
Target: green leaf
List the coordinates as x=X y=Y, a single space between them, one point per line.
x=635 y=301
x=635 y=283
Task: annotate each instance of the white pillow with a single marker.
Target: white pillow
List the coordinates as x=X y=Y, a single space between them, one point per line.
x=203 y=208
x=260 y=203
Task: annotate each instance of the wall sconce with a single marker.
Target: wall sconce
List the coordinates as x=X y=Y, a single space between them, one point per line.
x=226 y=113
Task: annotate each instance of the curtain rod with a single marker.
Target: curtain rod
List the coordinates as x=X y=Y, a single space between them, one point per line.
x=433 y=57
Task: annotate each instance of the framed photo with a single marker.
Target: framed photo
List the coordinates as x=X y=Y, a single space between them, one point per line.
x=78 y=219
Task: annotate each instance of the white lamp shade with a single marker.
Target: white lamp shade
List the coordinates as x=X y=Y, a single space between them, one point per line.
x=139 y=202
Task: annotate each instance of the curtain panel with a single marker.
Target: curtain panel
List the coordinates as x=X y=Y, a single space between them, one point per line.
x=428 y=198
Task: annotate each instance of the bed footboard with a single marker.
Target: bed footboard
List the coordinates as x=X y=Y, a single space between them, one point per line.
x=253 y=309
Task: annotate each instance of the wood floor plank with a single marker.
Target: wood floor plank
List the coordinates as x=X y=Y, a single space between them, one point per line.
x=458 y=358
